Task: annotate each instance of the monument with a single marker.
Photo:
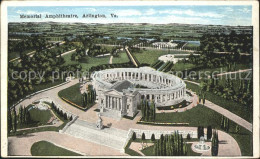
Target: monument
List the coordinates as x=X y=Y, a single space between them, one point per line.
x=99 y=122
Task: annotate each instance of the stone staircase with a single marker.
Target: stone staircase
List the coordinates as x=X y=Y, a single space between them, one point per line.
x=111 y=137
x=111 y=114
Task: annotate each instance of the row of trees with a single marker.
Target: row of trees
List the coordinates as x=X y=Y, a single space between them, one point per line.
x=225 y=123
x=214 y=144
x=60 y=112
x=200 y=132
x=22 y=118
x=170 y=145
x=243 y=95
x=108 y=66
x=89 y=97
x=148 y=110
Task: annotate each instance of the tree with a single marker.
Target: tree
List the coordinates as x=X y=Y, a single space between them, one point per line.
x=222 y=122
x=20 y=114
x=209 y=132
x=143 y=136
x=10 y=125
x=134 y=136
x=52 y=104
x=214 y=144
x=14 y=120
x=153 y=137
x=143 y=109
x=24 y=115
x=200 y=131
x=237 y=128
x=188 y=136
x=65 y=116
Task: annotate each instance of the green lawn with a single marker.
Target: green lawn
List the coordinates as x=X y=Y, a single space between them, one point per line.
x=44 y=148
x=40 y=129
x=72 y=93
x=88 y=62
x=151 y=56
x=230 y=105
x=40 y=116
x=203 y=116
x=149 y=151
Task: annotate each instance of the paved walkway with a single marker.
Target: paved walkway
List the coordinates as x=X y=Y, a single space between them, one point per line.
x=239 y=71
x=21 y=145
x=136 y=146
x=131 y=57
x=240 y=121
x=110 y=60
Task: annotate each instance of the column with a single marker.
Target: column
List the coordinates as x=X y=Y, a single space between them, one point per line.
x=110 y=103
x=106 y=102
x=116 y=103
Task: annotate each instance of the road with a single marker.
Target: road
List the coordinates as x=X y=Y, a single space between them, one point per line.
x=131 y=57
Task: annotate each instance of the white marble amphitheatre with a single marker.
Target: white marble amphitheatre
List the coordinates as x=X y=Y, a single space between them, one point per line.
x=117 y=89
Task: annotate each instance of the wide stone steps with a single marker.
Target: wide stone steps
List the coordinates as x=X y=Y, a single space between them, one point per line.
x=110 y=137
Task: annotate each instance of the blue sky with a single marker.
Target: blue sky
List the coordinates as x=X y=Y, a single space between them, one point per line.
x=216 y=15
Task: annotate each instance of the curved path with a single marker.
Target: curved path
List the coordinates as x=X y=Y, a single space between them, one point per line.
x=20 y=145
x=239 y=71
x=240 y=121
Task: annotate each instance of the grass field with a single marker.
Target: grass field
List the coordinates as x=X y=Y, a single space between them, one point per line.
x=151 y=56
x=149 y=151
x=230 y=105
x=72 y=93
x=88 y=62
x=40 y=116
x=44 y=148
x=203 y=116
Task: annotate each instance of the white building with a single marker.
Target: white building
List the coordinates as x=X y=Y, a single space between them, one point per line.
x=117 y=92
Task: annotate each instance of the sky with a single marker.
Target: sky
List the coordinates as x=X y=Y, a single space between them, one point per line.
x=215 y=15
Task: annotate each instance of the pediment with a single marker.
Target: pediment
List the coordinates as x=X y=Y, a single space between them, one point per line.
x=113 y=93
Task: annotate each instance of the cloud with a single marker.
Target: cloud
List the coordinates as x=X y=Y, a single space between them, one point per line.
x=150 y=12
x=91 y=9
x=192 y=13
x=128 y=12
x=31 y=12
x=245 y=10
x=229 y=9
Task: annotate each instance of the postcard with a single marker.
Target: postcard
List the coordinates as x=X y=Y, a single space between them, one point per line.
x=130 y=79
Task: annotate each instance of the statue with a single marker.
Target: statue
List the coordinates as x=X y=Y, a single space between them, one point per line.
x=99 y=122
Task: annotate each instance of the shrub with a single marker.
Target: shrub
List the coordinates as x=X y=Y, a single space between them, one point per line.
x=134 y=136
x=188 y=136
x=153 y=137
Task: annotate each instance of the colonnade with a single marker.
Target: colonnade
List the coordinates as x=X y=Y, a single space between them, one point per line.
x=138 y=76
x=114 y=103
x=167 y=88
